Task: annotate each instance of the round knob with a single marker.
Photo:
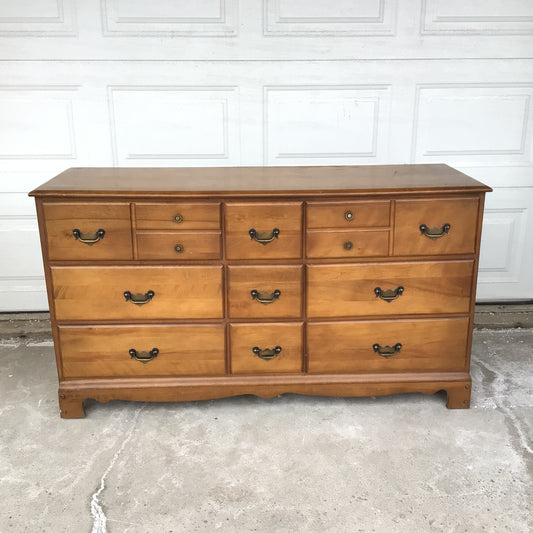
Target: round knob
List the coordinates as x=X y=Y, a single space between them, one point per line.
x=178 y=218
x=348 y=215
x=178 y=248
x=348 y=245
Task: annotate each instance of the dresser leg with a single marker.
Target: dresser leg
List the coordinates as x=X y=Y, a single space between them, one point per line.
x=459 y=396
x=70 y=407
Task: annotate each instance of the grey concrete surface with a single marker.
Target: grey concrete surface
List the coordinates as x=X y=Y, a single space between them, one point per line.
x=291 y=464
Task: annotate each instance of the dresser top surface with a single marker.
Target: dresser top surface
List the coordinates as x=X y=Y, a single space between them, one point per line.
x=258 y=181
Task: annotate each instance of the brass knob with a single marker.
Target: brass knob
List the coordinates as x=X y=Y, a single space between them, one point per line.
x=348 y=245
x=178 y=218
x=348 y=215
x=178 y=248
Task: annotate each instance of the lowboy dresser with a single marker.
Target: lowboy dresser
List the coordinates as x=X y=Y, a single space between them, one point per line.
x=172 y=284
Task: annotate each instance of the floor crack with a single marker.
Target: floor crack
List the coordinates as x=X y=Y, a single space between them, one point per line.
x=97 y=513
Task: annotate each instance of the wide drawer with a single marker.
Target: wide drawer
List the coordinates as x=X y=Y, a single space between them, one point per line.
x=388 y=346
x=98 y=293
x=259 y=292
x=102 y=351
x=436 y=226
x=266 y=348
x=347 y=243
x=177 y=216
x=374 y=289
x=178 y=246
x=90 y=232
x=263 y=230
x=348 y=214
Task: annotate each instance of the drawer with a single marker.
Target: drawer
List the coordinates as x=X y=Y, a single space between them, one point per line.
x=278 y=291
x=104 y=351
x=178 y=246
x=451 y=224
x=263 y=218
x=347 y=243
x=177 y=216
x=62 y=219
x=268 y=338
x=97 y=293
x=406 y=288
x=373 y=346
x=355 y=214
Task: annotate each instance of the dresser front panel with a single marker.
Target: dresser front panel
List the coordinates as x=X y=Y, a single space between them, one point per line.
x=104 y=351
x=421 y=288
x=179 y=245
x=177 y=216
x=347 y=215
x=347 y=243
x=97 y=293
x=63 y=218
x=426 y=345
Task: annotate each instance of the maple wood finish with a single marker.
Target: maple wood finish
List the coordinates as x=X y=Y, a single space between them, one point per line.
x=199 y=283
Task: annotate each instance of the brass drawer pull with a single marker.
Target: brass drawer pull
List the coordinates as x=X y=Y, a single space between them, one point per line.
x=264 y=237
x=178 y=218
x=389 y=294
x=267 y=353
x=88 y=238
x=387 y=351
x=348 y=245
x=434 y=233
x=178 y=248
x=348 y=216
x=265 y=297
x=144 y=357
x=139 y=299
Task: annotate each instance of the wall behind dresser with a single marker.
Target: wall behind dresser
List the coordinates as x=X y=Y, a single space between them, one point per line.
x=267 y=82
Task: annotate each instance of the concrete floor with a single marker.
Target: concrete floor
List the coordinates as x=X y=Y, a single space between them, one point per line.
x=291 y=464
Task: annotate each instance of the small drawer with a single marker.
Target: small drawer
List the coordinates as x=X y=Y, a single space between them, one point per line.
x=391 y=346
x=125 y=351
x=436 y=226
x=95 y=231
x=357 y=214
x=347 y=243
x=266 y=348
x=263 y=230
x=100 y=293
x=258 y=292
x=177 y=216
x=389 y=288
x=178 y=246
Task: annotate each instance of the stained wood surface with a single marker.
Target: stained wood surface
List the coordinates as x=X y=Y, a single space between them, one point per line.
x=196 y=182
x=427 y=345
x=193 y=244
x=347 y=243
x=333 y=214
x=103 y=351
x=96 y=293
x=195 y=215
x=429 y=287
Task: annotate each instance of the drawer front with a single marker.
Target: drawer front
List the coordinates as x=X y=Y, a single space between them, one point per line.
x=258 y=292
x=358 y=214
x=102 y=351
x=351 y=290
x=348 y=243
x=416 y=219
x=264 y=218
x=62 y=219
x=94 y=293
x=394 y=346
x=178 y=246
x=245 y=337
x=177 y=216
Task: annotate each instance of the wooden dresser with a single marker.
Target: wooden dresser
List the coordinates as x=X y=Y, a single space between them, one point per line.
x=172 y=284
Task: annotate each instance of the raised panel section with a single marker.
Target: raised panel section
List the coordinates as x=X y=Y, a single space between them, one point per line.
x=317 y=124
x=37 y=18
x=319 y=18
x=169 y=17
x=477 y=17
x=174 y=125
x=474 y=124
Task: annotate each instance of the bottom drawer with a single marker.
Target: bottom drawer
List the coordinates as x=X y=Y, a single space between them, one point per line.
x=105 y=351
x=388 y=346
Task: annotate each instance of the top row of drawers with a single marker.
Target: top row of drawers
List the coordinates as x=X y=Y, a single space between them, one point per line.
x=270 y=229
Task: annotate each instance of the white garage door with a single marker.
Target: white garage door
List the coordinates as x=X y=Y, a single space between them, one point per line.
x=267 y=82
